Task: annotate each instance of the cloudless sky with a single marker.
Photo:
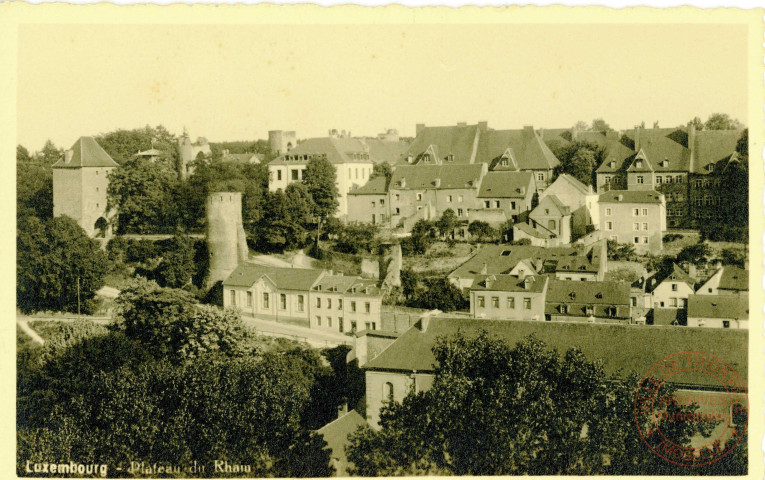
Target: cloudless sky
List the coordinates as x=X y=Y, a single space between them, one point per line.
x=237 y=82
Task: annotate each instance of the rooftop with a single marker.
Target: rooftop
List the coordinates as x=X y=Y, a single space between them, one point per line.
x=337 y=149
x=506 y=184
x=595 y=293
x=631 y=196
x=247 y=274
x=510 y=283
x=375 y=186
x=85 y=152
x=421 y=177
x=719 y=306
x=734 y=278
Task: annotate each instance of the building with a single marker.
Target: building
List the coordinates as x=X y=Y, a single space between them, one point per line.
x=637 y=217
x=577 y=301
x=306 y=297
x=509 y=191
x=719 y=311
x=581 y=201
x=509 y=297
x=670 y=289
x=727 y=280
x=369 y=203
x=426 y=191
x=575 y=262
x=336 y=434
x=551 y=216
x=190 y=151
x=350 y=157
x=80 y=182
x=243 y=158
x=408 y=364
x=152 y=154
x=281 y=141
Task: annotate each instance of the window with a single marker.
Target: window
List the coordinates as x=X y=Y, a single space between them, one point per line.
x=527 y=303
x=633 y=300
x=726 y=323
x=283 y=301
x=644 y=212
x=679 y=179
x=265 y=300
x=673 y=302
x=645 y=227
x=278 y=174
x=459 y=198
x=589 y=310
x=318 y=321
x=294 y=174
x=353 y=306
x=459 y=212
x=318 y=302
x=511 y=302
x=541 y=176
x=382 y=202
x=496 y=203
x=233 y=297
x=366 y=307
x=481 y=302
x=607 y=179
x=608 y=211
x=397 y=197
x=636 y=240
x=388 y=392
x=373 y=204
x=639 y=179
x=669 y=179
x=249 y=299
x=495 y=302
x=659 y=179
x=609 y=226
x=300 y=304
x=448 y=199
x=636 y=226
x=635 y=212
x=611 y=311
x=329 y=303
x=329 y=322
x=339 y=303
x=645 y=240
x=419 y=196
x=563 y=308
x=340 y=324
x=512 y=205
x=487 y=204
x=357 y=173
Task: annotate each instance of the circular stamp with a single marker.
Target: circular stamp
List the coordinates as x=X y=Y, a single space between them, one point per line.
x=691 y=408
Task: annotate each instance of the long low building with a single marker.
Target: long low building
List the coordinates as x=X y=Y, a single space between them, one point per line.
x=408 y=364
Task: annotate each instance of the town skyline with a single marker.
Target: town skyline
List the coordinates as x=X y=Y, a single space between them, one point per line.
x=208 y=80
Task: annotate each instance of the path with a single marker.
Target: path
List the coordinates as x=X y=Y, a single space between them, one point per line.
x=315 y=338
x=24 y=326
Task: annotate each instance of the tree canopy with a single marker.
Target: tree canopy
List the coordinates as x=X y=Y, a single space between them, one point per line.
x=319 y=178
x=122 y=145
x=721 y=121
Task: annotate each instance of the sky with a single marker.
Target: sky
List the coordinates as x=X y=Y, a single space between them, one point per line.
x=237 y=82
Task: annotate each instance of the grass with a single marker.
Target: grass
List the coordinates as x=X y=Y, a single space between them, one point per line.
x=440 y=258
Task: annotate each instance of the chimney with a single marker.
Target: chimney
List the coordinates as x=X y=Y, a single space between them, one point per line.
x=424 y=321
x=527 y=281
x=619 y=197
x=342 y=409
x=490 y=281
x=402 y=182
x=637 y=138
x=68 y=155
x=692 y=144
x=484 y=268
x=437 y=182
x=527 y=133
x=420 y=128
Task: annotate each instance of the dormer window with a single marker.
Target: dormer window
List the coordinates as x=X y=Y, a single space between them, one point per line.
x=711 y=167
x=504 y=162
x=426 y=158
x=572 y=295
x=612 y=164
x=450 y=158
x=639 y=164
x=665 y=163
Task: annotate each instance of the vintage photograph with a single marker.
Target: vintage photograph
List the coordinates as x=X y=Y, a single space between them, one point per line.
x=307 y=242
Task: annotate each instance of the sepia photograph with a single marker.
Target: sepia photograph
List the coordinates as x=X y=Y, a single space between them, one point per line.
x=264 y=241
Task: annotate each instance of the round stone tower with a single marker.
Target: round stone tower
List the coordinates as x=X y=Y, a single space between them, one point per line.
x=226 y=242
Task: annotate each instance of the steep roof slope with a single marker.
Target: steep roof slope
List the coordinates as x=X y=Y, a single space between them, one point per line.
x=337 y=150
x=246 y=274
x=86 y=152
x=528 y=149
x=452 y=140
x=422 y=177
x=506 y=185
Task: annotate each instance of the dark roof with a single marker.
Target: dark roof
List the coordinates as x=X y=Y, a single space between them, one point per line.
x=675 y=274
x=246 y=274
x=623 y=348
x=669 y=316
x=337 y=150
x=506 y=184
x=420 y=177
x=345 y=284
x=528 y=149
x=510 y=283
x=551 y=202
x=719 y=306
x=376 y=186
x=664 y=144
x=453 y=140
x=86 y=152
x=383 y=150
x=630 y=196
x=596 y=293
x=713 y=146
x=500 y=259
x=531 y=231
x=734 y=278
x=336 y=434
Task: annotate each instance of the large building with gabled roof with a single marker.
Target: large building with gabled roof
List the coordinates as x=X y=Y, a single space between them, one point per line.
x=80 y=182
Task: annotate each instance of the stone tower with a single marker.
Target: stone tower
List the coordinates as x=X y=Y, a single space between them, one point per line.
x=281 y=141
x=80 y=182
x=226 y=242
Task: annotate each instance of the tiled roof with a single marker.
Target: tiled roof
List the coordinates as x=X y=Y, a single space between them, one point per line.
x=510 y=283
x=336 y=434
x=529 y=150
x=734 y=278
x=662 y=145
x=86 y=152
x=453 y=140
x=623 y=348
x=246 y=274
x=596 y=293
x=345 y=284
x=669 y=316
x=552 y=203
x=713 y=146
x=630 y=196
x=719 y=306
x=531 y=231
x=384 y=151
x=579 y=186
x=675 y=274
x=337 y=150
x=376 y=186
x=506 y=185
x=420 y=177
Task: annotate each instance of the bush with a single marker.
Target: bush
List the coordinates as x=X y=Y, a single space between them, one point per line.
x=725 y=233
x=141 y=251
x=671 y=237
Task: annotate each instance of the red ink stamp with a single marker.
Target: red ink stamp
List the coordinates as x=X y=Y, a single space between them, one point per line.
x=691 y=408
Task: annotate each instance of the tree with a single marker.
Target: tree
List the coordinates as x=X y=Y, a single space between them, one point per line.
x=447 y=222
x=488 y=413
x=439 y=294
x=59 y=267
x=742 y=145
x=142 y=192
x=619 y=251
x=600 y=125
x=721 y=121
x=177 y=265
x=299 y=205
x=122 y=145
x=22 y=154
x=697 y=123
x=34 y=190
x=481 y=230
x=410 y=281
x=50 y=154
x=420 y=239
x=382 y=169
x=580 y=159
x=733 y=256
x=319 y=178
x=357 y=237
x=581 y=126
x=698 y=254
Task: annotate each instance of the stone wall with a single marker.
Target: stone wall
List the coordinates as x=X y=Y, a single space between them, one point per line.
x=226 y=240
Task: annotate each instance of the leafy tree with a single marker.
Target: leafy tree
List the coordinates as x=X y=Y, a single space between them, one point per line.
x=697 y=123
x=382 y=169
x=53 y=258
x=620 y=251
x=356 y=237
x=698 y=254
x=488 y=413
x=742 y=145
x=439 y=294
x=733 y=256
x=580 y=159
x=481 y=230
x=22 y=154
x=721 y=121
x=409 y=283
x=142 y=192
x=581 y=126
x=34 y=190
x=319 y=178
x=50 y=154
x=122 y=145
x=299 y=205
x=177 y=265
x=283 y=224
x=447 y=222
x=600 y=125
x=420 y=239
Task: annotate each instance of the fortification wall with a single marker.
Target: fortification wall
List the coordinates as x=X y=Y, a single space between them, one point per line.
x=226 y=240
